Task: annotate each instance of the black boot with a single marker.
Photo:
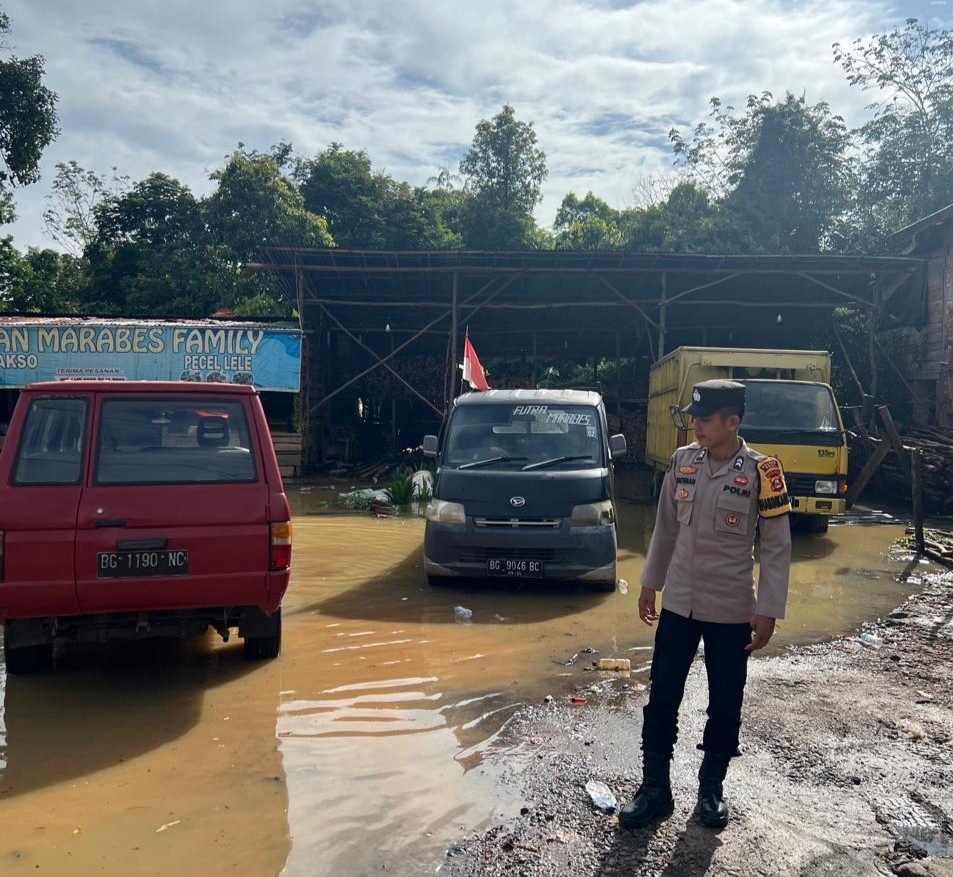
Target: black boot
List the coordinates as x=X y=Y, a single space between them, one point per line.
x=711 y=811
x=654 y=797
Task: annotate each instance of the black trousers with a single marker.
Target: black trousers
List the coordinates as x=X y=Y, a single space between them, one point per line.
x=726 y=661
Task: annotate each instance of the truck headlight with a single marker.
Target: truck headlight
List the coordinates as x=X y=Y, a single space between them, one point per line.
x=442 y=512
x=825 y=487
x=594 y=514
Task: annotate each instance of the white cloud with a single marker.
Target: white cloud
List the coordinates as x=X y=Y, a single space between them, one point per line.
x=174 y=85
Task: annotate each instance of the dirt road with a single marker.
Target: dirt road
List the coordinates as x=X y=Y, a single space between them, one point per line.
x=848 y=769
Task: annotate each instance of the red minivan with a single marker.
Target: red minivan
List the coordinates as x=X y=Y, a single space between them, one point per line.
x=134 y=509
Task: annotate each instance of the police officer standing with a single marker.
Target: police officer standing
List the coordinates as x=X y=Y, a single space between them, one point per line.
x=715 y=495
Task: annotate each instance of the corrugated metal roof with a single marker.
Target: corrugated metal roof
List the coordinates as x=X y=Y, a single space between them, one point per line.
x=31 y=320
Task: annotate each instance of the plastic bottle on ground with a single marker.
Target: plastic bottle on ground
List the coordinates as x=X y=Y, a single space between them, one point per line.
x=601 y=796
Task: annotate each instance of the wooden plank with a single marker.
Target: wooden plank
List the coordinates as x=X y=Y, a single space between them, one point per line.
x=872 y=465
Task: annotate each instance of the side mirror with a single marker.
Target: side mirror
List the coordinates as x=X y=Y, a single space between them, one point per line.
x=617 y=446
x=430 y=446
x=678 y=418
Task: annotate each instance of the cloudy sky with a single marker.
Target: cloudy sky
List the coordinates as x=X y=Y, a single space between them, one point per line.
x=173 y=85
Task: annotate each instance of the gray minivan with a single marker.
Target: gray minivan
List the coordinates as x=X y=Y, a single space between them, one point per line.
x=524 y=489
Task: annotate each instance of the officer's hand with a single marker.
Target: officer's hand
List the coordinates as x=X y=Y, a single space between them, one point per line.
x=762 y=627
x=647 y=606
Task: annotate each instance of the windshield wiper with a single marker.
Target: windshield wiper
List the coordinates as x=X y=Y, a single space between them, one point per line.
x=478 y=463
x=542 y=464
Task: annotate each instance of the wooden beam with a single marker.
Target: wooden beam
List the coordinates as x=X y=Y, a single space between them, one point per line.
x=685 y=292
x=834 y=289
x=872 y=340
x=894 y=435
x=409 y=341
x=454 y=331
x=662 y=315
x=628 y=301
x=870 y=467
x=382 y=362
x=846 y=356
x=916 y=482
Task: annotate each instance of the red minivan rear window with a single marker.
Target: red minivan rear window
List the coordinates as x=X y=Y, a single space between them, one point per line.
x=51 y=444
x=173 y=441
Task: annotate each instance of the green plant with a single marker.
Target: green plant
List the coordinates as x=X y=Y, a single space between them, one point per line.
x=401 y=489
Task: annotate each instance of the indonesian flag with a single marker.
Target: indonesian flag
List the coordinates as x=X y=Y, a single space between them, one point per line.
x=472 y=370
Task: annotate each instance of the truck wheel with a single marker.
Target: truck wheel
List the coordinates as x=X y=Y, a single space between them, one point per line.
x=27 y=659
x=438 y=581
x=265 y=646
x=817 y=524
x=606 y=587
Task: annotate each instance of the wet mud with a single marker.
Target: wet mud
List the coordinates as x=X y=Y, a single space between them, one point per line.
x=376 y=739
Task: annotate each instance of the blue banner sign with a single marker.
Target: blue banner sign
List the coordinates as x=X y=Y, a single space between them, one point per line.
x=265 y=356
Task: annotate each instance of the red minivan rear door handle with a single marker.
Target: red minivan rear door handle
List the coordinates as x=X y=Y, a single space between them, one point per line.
x=110 y=522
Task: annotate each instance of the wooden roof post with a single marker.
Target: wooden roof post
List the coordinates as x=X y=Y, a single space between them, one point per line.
x=454 y=331
x=661 y=317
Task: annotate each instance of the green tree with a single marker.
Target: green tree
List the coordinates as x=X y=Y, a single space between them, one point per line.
x=46 y=282
x=254 y=205
x=27 y=115
x=587 y=224
x=688 y=221
x=70 y=220
x=907 y=171
x=781 y=171
x=370 y=210
x=504 y=170
x=340 y=185
x=153 y=254
x=27 y=127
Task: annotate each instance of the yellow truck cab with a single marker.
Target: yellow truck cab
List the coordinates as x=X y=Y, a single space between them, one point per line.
x=791 y=413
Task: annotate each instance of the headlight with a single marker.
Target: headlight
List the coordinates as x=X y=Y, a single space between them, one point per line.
x=442 y=512
x=825 y=487
x=596 y=514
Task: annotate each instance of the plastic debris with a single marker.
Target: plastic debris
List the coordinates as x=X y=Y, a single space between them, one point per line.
x=423 y=482
x=601 y=796
x=548 y=699
x=871 y=639
x=623 y=586
x=462 y=615
x=617 y=664
x=578 y=699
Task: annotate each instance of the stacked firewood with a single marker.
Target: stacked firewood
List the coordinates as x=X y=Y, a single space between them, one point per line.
x=632 y=424
x=936 y=447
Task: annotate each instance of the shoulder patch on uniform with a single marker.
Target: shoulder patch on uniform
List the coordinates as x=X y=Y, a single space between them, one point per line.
x=773 y=499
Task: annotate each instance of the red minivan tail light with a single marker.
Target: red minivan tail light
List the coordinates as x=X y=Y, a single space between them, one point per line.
x=280 y=545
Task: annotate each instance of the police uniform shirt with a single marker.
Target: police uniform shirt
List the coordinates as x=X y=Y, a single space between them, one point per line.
x=702 y=552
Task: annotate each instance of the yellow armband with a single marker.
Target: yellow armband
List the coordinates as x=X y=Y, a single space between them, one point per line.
x=773 y=499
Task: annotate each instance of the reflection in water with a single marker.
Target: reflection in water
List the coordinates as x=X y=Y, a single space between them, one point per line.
x=387 y=711
x=394 y=702
x=122 y=741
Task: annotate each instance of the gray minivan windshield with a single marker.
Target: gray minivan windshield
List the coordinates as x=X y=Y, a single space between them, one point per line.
x=522 y=436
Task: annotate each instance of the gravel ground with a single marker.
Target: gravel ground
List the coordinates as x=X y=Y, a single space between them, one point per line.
x=848 y=769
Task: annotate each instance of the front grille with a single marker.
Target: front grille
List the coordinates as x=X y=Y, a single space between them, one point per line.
x=517 y=523
x=550 y=555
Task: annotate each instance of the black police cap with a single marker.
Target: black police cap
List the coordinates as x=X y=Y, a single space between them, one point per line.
x=711 y=396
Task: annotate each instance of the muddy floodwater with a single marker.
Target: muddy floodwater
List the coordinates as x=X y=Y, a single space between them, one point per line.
x=370 y=741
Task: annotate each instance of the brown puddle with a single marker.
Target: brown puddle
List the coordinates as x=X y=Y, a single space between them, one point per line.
x=371 y=740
